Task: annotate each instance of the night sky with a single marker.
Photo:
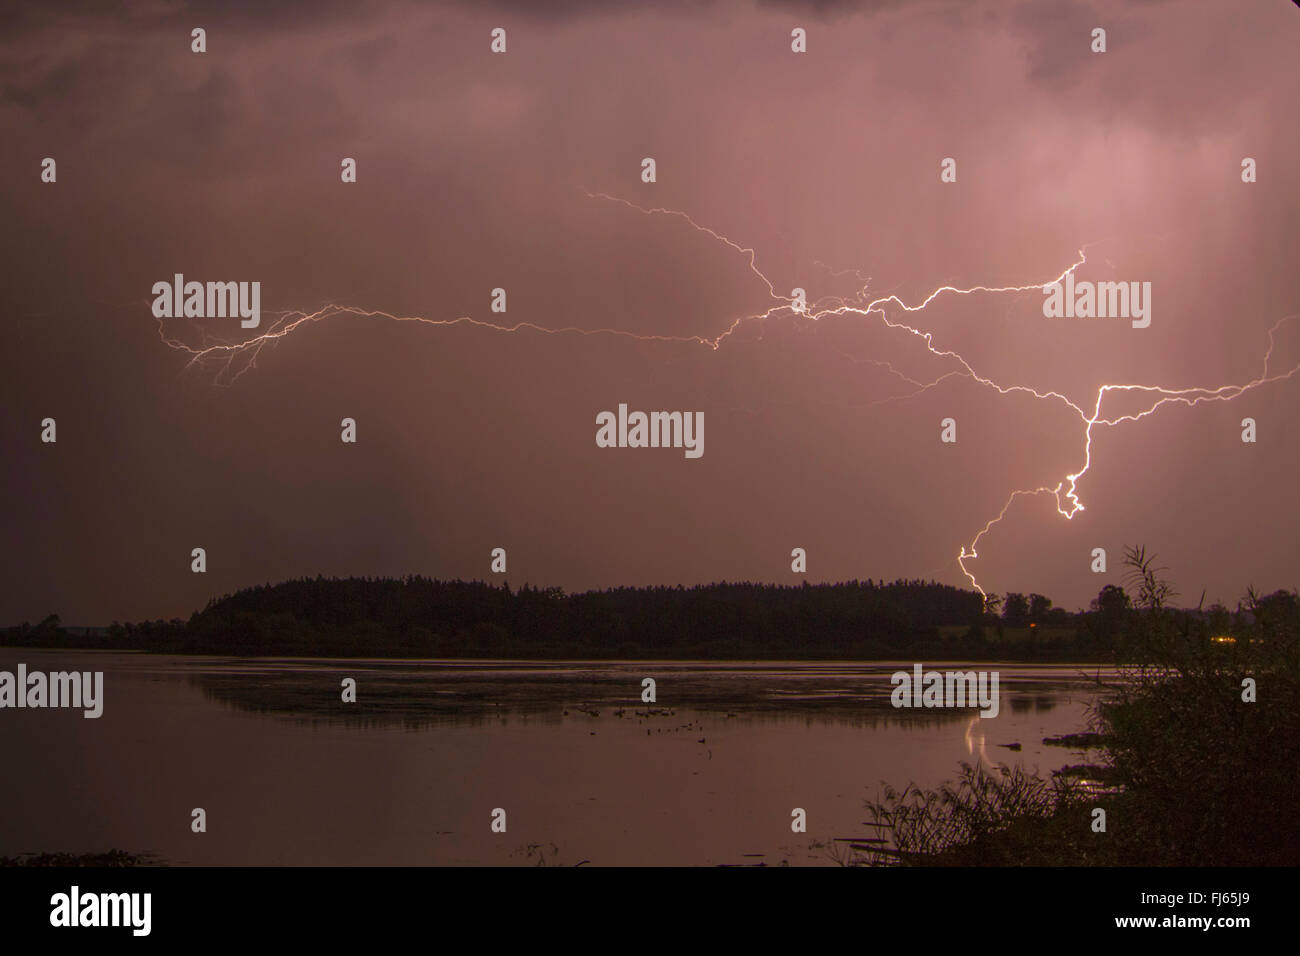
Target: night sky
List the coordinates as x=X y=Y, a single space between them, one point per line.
x=475 y=172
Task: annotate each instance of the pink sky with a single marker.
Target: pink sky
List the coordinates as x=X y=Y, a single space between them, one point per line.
x=473 y=172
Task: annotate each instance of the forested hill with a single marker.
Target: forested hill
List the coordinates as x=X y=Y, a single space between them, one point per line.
x=426 y=618
x=461 y=618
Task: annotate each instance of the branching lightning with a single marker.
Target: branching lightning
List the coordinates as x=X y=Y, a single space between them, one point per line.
x=231 y=360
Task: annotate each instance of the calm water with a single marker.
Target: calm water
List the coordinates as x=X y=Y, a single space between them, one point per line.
x=410 y=774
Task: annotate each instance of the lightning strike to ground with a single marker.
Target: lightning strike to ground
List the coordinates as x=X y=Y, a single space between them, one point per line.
x=233 y=359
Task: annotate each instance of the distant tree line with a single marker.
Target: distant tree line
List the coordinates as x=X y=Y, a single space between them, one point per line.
x=418 y=616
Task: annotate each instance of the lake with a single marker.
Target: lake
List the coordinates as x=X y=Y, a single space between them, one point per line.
x=411 y=773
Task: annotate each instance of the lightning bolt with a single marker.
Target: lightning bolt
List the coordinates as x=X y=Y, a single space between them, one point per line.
x=231 y=360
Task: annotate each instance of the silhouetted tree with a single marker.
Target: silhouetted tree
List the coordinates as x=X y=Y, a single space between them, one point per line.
x=1015 y=611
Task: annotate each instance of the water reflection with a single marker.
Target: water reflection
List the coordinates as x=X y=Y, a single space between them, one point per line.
x=289 y=774
x=416 y=694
